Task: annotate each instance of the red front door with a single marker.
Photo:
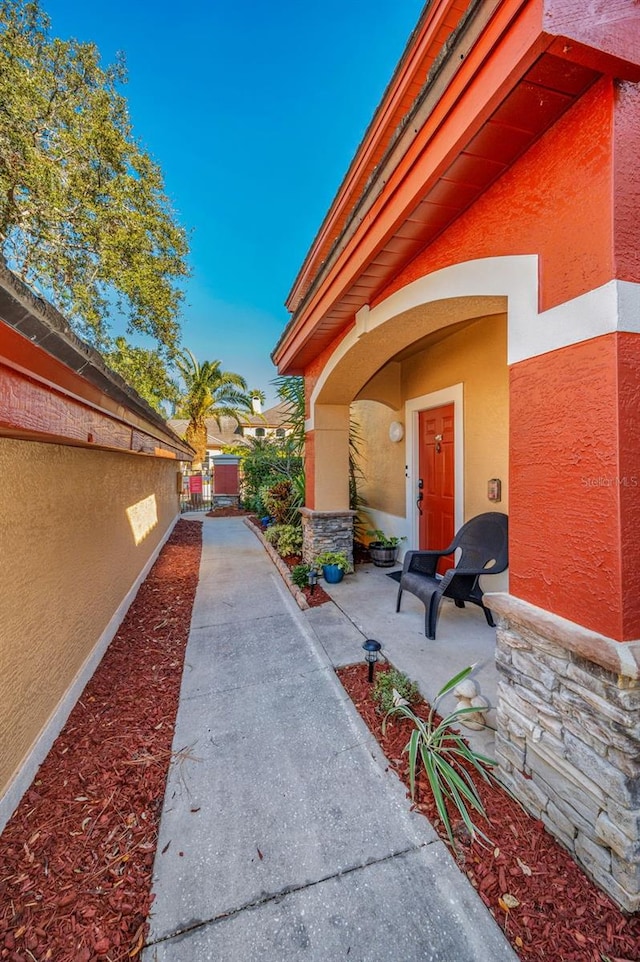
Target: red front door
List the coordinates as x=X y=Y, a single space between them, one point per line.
x=437 y=472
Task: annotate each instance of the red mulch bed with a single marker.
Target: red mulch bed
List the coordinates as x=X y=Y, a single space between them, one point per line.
x=561 y=915
x=229 y=512
x=76 y=857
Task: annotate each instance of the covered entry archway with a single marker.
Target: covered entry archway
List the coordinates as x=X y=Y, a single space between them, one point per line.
x=412 y=352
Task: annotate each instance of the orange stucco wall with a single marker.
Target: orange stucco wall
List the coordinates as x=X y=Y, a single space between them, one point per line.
x=575 y=481
x=628 y=347
x=575 y=434
x=555 y=201
x=626 y=182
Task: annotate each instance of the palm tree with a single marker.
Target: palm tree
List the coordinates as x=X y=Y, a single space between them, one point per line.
x=209 y=393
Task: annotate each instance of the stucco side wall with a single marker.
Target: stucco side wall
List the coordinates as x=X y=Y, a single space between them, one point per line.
x=475 y=357
x=382 y=461
x=77 y=528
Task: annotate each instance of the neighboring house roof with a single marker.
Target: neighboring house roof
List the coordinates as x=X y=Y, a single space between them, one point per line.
x=217 y=437
x=277 y=416
x=225 y=434
x=57 y=388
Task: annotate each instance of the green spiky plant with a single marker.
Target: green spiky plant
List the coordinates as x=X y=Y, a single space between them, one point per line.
x=443 y=753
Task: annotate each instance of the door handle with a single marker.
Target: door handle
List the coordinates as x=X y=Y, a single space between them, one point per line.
x=418 y=505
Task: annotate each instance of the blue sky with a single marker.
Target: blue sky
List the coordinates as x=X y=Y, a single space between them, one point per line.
x=253 y=110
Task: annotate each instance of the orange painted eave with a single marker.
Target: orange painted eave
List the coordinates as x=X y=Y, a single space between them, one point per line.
x=391 y=234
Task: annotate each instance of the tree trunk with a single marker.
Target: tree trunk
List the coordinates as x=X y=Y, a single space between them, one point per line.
x=196 y=436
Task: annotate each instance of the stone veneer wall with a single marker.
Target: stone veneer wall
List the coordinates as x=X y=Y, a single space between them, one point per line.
x=568 y=738
x=326 y=531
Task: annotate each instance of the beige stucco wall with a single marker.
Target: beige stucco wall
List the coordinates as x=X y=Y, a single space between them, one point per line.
x=476 y=357
x=381 y=461
x=77 y=527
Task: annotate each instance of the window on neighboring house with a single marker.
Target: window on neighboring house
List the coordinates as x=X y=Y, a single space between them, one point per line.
x=260 y=432
x=279 y=432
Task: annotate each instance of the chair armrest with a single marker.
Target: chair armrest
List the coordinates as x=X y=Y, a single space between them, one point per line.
x=421 y=562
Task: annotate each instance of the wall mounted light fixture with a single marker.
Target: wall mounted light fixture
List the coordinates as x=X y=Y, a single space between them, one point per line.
x=396 y=431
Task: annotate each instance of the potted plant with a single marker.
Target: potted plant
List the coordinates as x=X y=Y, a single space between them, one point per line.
x=383 y=550
x=334 y=566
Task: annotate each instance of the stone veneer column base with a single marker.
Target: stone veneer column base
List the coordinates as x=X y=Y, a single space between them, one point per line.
x=568 y=738
x=326 y=531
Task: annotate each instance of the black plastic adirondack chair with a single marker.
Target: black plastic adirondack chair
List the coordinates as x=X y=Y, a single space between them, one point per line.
x=483 y=543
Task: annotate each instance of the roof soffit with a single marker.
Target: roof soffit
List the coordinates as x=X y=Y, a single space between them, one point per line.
x=438 y=22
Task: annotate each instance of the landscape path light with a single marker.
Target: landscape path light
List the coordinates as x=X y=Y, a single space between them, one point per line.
x=312 y=579
x=371 y=649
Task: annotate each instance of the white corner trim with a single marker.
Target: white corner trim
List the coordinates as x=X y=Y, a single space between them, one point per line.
x=613 y=307
x=362 y=321
x=27 y=771
x=514 y=277
x=449 y=395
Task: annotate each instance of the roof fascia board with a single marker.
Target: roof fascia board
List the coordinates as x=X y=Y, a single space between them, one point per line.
x=404 y=75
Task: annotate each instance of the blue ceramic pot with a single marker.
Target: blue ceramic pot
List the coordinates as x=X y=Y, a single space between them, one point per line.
x=332 y=573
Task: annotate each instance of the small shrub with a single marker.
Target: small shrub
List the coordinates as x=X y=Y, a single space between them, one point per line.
x=272 y=535
x=338 y=558
x=300 y=575
x=290 y=541
x=386 y=541
x=386 y=681
x=278 y=500
x=285 y=538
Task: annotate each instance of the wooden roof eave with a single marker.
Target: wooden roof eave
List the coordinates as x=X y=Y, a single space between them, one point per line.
x=403 y=140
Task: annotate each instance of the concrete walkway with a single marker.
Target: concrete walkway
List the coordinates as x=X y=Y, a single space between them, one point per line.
x=283 y=836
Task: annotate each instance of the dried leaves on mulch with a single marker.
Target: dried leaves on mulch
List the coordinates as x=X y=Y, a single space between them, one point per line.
x=76 y=857
x=552 y=911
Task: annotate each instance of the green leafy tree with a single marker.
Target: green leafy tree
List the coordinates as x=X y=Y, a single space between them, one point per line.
x=258 y=395
x=209 y=393
x=146 y=371
x=83 y=213
x=268 y=461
